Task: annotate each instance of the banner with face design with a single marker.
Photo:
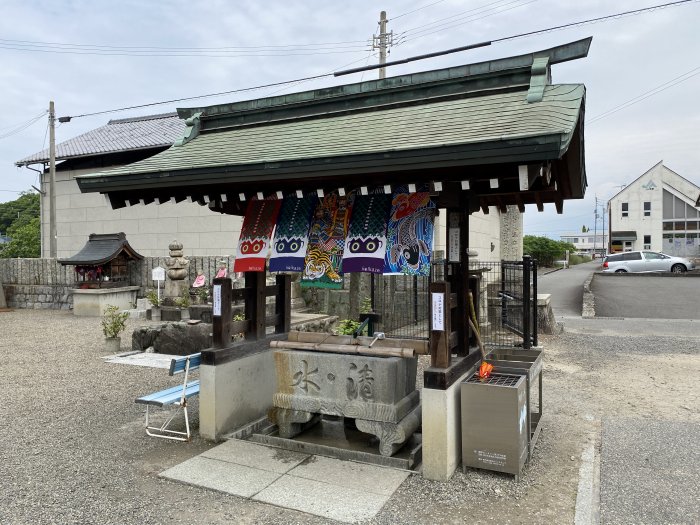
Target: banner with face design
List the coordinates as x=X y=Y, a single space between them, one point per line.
x=410 y=234
x=329 y=227
x=254 y=242
x=292 y=234
x=365 y=245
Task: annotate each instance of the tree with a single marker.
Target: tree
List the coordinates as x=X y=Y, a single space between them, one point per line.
x=25 y=240
x=545 y=250
x=25 y=207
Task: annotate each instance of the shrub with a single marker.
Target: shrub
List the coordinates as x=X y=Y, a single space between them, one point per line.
x=152 y=297
x=113 y=321
x=347 y=326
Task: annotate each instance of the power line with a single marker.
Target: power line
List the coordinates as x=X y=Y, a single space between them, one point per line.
x=458 y=16
x=470 y=19
x=183 y=99
x=136 y=49
x=514 y=37
x=414 y=10
x=22 y=127
x=266 y=53
x=429 y=55
x=593 y=20
x=658 y=89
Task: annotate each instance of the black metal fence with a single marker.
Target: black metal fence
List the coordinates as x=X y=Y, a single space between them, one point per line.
x=506 y=302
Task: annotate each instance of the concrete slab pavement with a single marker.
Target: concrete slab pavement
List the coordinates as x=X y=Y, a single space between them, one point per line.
x=327 y=487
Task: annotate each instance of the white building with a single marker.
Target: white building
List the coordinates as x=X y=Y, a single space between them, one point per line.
x=587 y=243
x=659 y=211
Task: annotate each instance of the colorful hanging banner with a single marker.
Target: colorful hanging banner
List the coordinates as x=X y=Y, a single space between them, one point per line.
x=254 y=242
x=329 y=226
x=292 y=234
x=365 y=246
x=410 y=234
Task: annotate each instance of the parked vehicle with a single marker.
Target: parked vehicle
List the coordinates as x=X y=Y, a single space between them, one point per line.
x=645 y=261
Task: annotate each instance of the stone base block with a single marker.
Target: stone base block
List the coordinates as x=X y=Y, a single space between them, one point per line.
x=392 y=436
x=442 y=432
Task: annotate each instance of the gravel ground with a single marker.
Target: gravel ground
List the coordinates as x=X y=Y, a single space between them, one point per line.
x=74 y=449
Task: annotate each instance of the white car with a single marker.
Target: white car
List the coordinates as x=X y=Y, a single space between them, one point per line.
x=645 y=261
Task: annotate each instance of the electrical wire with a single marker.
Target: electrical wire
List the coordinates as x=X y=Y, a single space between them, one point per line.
x=267 y=53
x=452 y=18
x=658 y=89
x=22 y=127
x=414 y=10
x=149 y=49
x=31 y=120
x=313 y=77
x=514 y=4
x=229 y=92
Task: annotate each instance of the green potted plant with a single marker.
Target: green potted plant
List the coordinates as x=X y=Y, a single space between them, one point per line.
x=203 y=295
x=113 y=324
x=183 y=303
x=153 y=298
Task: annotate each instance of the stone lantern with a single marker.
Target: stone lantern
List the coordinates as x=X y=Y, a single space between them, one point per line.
x=176 y=283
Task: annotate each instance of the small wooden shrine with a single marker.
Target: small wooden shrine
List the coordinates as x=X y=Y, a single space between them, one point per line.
x=103 y=262
x=102 y=274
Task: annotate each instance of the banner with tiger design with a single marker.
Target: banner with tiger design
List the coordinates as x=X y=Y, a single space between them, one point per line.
x=254 y=242
x=329 y=227
x=365 y=245
x=410 y=234
x=292 y=234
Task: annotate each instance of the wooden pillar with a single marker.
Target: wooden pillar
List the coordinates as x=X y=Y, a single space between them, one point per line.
x=283 y=303
x=457 y=272
x=221 y=312
x=255 y=305
x=440 y=352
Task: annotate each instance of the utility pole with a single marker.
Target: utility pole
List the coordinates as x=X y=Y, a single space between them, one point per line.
x=595 y=227
x=382 y=42
x=52 y=181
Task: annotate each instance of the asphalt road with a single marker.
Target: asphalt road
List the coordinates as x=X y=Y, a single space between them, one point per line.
x=647 y=467
x=566 y=287
x=646 y=296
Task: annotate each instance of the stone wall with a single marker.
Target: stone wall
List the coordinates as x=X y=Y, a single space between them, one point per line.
x=44 y=283
x=51 y=297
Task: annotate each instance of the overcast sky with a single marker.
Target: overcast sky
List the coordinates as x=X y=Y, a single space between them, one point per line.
x=629 y=57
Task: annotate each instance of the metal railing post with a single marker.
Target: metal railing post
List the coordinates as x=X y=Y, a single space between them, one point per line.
x=527 y=268
x=534 y=303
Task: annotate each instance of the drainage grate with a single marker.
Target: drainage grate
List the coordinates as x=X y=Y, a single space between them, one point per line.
x=496 y=380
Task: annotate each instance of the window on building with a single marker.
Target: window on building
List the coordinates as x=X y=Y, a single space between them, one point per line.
x=625 y=209
x=647 y=209
x=574 y=240
x=647 y=242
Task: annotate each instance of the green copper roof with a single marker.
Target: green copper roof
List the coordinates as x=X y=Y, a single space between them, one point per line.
x=491 y=118
x=503 y=112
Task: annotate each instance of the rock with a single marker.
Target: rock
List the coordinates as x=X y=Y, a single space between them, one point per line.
x=183 y=339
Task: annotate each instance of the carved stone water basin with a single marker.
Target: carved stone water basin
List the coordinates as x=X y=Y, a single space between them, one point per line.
x=378 y=392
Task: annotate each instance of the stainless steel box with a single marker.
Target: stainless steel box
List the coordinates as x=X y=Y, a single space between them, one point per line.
x=494 y=423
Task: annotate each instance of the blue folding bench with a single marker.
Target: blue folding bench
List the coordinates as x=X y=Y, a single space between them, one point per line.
x=176 y=396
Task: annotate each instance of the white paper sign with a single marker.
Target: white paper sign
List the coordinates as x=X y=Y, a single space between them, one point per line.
x=438 y=311
x=216 y=300
x=158 y=274
x=453 y=248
